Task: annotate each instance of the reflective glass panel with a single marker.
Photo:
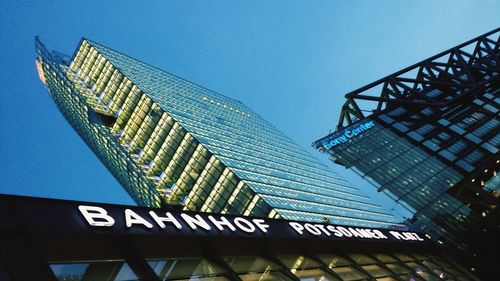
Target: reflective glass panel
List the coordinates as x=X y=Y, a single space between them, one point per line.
x=361 y=259
x=265 y=276
x=313 y=275
x=334 y=260
x=397 y=268
x=375 y=270
x=298 y=262
x=94 y=271
x=404 y=257
x=384 y=258
x=169 y=269
x=250 y=264
x=305 y=268
x=349 y=273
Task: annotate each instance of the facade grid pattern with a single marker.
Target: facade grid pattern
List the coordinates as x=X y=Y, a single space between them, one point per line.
x=326 y=267
x=197 y=148
x=435 y=141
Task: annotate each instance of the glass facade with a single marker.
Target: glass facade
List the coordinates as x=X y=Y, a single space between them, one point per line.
x=323 y=267
x=94 y=270
x=434 y=145
x=168 y=140
x=422 y=158
x=412 y=177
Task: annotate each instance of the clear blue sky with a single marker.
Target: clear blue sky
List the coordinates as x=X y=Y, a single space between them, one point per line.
x=290 y=61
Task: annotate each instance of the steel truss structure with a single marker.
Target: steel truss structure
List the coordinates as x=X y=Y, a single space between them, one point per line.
x=457 y=72
x=435 y=145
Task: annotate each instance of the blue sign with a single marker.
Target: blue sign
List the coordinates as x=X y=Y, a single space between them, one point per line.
x=348 y=134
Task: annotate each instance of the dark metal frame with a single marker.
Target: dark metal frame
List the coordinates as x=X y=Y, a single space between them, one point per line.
x=457 y=72
x=35 y=232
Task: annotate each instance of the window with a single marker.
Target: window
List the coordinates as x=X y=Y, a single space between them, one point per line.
x=94 y=271
x=186 y=269
x=305 y=268
x=254 y=268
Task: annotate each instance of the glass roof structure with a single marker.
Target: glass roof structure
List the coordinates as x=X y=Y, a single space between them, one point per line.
x=433 y=143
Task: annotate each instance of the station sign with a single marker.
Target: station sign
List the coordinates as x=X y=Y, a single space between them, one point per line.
x=157 y=221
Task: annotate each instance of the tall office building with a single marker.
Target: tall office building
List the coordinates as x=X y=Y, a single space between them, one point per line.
x=429 y=136
x=170 y=141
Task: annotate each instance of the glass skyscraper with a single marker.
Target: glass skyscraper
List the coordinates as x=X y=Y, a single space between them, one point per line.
x=170 y=141
x=431 y=140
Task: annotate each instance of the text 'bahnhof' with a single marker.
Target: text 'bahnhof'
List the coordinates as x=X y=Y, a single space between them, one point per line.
x=223 y=195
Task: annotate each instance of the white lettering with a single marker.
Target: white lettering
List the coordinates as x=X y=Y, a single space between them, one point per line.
x=408 y=236
x=372 y=234
x=297 y=227
x=322 y=228
x=364 y=233
x=220 y=223
x=397 y=235
x=379 y=234
x=312 y=229
x=344 y=231
x=411 y=236
x=133 y=218
x=417 y=237
x=355 y=233
x=96 y=216
x=169 y=218
x=261 y=224
x=244 y=225
x=194 y=222
x=334 y=230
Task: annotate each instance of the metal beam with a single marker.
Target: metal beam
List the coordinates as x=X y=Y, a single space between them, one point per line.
x=444 y=71
x=139 y=265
